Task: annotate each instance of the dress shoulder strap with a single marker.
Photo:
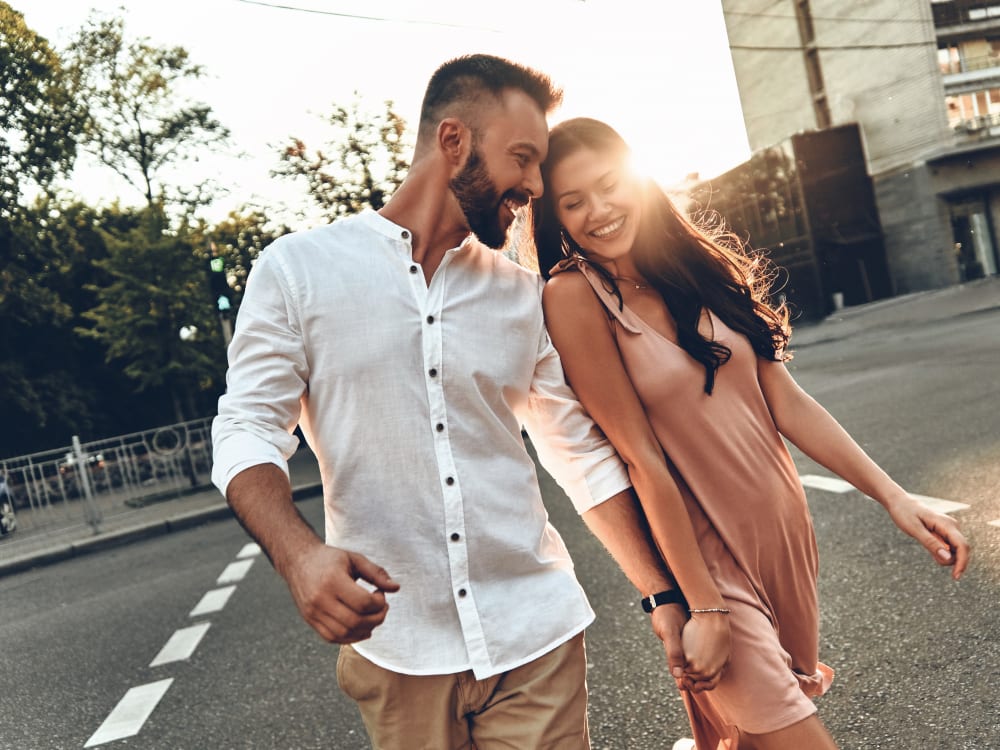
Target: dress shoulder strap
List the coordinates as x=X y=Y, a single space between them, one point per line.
x=600 y=286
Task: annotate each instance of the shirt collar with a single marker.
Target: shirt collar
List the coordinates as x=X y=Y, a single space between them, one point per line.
x=394 y=231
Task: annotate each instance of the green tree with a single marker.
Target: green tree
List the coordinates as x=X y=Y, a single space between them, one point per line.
x=360 y=165
x=38 y=118
x=156 y=287
x=38 y=123
x=139 y=122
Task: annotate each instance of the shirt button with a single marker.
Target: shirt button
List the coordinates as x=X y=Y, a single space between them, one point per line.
x=455 y=537
x=462 y=592
x=439 y=427
x=430 y=319
x=405 y=235
x=413 y=269
x=432 y=372
x=449 y=481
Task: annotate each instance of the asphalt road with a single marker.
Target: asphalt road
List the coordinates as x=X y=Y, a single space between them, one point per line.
x=917 y=656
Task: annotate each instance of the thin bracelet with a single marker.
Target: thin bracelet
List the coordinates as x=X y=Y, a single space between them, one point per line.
x=720 y=610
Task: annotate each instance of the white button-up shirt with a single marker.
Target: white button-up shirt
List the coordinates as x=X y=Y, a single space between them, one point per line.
x=412 y=398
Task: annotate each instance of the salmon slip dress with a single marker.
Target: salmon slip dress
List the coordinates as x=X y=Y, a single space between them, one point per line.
x=750 y=517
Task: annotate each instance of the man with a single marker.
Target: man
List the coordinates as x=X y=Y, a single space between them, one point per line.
x=411 y=353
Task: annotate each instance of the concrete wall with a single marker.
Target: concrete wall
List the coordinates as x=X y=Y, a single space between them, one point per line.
x=879 y=65
x=888 y=81
x=917 y=229
x=774 y=90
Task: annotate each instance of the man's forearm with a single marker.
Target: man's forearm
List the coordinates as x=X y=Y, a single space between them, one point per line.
x=261 y=498
x=621 y=527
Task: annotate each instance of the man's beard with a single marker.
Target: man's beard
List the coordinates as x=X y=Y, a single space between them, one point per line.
x=477 y=197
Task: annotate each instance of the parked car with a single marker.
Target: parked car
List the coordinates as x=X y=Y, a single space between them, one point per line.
x=8 y=521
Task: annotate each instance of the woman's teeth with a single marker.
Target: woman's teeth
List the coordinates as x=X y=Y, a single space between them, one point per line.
x=608 y=229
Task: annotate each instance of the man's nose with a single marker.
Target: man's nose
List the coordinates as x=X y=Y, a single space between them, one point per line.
x=533 y=185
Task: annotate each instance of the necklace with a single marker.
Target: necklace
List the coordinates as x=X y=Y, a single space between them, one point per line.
x=633 y=282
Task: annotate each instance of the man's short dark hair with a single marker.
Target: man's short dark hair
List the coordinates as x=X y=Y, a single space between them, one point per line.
x=461 y=84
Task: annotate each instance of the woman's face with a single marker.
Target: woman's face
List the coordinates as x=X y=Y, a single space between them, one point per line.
x=597 y=201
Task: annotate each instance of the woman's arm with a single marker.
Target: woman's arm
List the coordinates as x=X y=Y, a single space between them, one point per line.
x=812 y=429
x=580 y=332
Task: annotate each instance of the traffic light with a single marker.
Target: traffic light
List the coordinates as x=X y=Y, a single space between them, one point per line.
x=218 y=284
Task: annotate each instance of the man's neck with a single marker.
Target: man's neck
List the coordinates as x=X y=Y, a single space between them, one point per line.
x=434 y=223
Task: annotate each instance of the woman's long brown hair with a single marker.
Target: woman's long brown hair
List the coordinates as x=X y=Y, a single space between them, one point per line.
x=692 y=268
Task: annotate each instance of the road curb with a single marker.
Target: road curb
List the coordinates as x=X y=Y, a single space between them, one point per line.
x=61 y=552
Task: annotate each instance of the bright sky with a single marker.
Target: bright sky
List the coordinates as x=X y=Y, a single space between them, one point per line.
x=659 y=71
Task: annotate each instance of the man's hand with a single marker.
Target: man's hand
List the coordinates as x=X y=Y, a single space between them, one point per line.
x=323 y=582
x=668 y=621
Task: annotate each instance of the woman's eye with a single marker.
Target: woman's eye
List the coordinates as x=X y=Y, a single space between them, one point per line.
x=610 y=188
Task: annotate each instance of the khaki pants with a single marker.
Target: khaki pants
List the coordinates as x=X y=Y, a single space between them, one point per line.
x=541 y=705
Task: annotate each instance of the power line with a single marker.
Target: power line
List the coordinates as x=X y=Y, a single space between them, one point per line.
x=847 y=19
x=358 y=17
x=828 y=48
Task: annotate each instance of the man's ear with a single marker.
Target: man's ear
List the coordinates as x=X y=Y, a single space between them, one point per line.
x=454 y=140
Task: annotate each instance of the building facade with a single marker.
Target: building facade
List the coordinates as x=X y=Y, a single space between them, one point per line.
x=921 y=80
x=787 y=201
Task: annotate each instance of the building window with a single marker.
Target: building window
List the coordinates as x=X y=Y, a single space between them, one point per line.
x=981 y=14
x=974 y=110
x=949 y=60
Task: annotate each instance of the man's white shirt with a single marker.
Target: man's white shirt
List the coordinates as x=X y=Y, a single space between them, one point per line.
x=412 y=397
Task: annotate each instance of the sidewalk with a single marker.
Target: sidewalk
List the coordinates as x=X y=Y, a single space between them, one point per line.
x=27 y=549
x=23 y=550
x=908 y=309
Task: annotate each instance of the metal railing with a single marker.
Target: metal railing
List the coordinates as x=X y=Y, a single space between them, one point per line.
x=85 y=482
x=970 y=64
x=978 y=127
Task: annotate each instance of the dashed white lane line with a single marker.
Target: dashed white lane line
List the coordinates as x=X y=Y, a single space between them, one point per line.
x=181 y=644
x=832 y=484
x=995 y=523
x=213 y=601
x=249 y=550
x=234 y=572
x=131 y=713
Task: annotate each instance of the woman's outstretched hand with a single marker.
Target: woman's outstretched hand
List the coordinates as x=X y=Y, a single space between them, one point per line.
x=939 y=534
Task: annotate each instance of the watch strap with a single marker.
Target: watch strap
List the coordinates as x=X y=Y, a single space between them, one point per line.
x=671 y=596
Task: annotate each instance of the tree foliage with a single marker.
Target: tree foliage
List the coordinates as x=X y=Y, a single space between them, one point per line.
x=361 y=164
x=37 y=116
x=238 y=240
x=139 y=122
x=156 y=286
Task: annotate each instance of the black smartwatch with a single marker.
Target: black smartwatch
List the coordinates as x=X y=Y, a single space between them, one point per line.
x=673 y=596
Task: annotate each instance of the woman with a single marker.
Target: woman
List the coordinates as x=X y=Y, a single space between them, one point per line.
x=667 y=338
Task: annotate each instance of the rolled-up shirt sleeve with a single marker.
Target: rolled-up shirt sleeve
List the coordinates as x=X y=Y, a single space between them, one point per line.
x=268 y=373
x=569 y=444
